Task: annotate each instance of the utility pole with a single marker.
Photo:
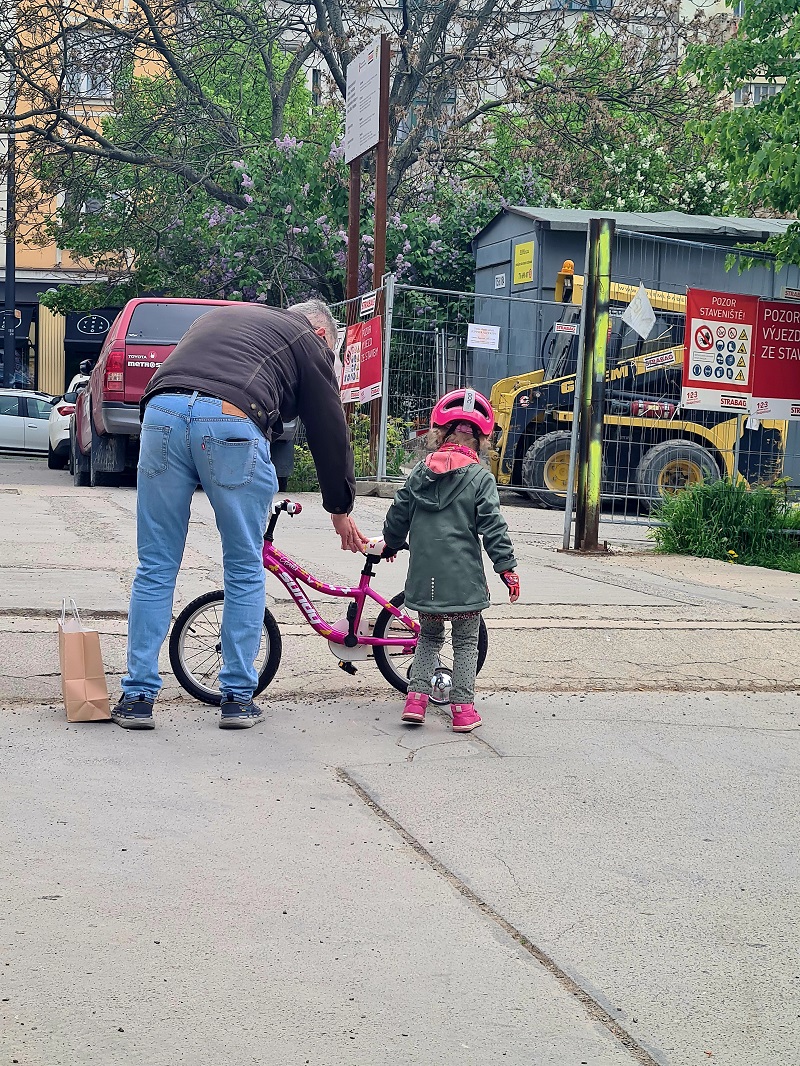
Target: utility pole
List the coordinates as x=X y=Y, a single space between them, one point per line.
x=10 y=295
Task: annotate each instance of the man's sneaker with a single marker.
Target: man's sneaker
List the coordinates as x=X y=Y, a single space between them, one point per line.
x=465 y=717
x=415 y=708
x=239 y=714
x=134 y=712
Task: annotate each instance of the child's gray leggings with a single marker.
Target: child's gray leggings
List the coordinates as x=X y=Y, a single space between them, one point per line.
x=465 y=655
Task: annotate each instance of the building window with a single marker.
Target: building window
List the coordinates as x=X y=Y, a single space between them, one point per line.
x=755 y=93
x=738 y=9
x=90 y=63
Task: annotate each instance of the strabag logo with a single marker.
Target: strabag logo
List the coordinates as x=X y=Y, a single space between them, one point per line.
x=734 y=401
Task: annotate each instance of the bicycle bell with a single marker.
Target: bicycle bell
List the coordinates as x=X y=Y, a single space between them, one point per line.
x=441 y=684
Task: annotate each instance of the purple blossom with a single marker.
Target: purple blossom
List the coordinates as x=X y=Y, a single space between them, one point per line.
x=288 y=209
x=238 y=163
x=434 y=220
x=288 y=144
x=336 y=153
x=321 y=220
x=247 y=181
x=247 y=198
x=367 y=239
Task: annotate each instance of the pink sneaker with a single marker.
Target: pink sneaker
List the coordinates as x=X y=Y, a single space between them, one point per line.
x=465 y=717
x=415 y=708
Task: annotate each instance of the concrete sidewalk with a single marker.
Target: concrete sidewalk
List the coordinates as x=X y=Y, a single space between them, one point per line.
x=631 y=620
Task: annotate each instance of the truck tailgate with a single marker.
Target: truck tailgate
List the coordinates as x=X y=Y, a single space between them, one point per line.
x=141 y=362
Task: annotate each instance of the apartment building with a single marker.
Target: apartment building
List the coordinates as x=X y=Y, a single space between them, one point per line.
x=50 y=347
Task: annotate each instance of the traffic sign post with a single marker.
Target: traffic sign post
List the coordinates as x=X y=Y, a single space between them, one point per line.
x=718 y=362
x=367 y=127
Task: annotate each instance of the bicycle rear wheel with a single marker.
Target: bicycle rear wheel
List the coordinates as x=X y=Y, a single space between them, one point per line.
x=395 y=664
x=195 y=648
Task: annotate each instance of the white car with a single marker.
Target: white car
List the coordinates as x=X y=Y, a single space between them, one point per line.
x=60 y=417
x=24 y=415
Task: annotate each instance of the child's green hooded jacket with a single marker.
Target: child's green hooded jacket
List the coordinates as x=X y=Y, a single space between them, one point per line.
x=448 y=502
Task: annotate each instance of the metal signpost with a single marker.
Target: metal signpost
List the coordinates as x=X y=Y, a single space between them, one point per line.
x=367 y=127
x=10 y=295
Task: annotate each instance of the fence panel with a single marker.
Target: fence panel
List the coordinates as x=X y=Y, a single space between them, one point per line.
x=650 y=445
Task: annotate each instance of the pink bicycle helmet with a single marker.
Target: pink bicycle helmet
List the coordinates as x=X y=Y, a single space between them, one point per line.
x=464 y=405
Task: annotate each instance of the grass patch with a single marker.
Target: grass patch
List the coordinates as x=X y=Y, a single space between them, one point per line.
x=731 y=522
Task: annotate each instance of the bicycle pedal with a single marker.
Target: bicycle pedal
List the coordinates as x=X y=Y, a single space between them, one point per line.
x=347 y=667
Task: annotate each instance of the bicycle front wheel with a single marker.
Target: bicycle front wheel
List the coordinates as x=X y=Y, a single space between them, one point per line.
x=395 y=663
x=195 y=648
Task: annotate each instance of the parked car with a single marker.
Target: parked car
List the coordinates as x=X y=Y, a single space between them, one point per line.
x=24 y=415
x=59 y=422
x=105 y=428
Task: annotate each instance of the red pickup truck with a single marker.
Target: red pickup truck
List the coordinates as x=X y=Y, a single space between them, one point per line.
x=104 y=434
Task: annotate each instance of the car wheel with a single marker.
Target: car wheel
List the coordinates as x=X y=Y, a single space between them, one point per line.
x=55 y=462
x=99 y=478
x=79 y=464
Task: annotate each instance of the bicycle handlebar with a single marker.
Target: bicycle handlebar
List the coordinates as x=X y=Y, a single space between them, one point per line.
x=378 y=549
x=289 y=506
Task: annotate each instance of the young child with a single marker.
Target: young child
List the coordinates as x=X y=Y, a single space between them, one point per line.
x=448 y=502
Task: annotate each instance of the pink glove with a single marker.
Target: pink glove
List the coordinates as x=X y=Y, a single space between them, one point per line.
x=511 y=580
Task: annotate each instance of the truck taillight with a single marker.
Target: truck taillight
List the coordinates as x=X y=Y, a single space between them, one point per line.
x=65 y=409
x=113 y=375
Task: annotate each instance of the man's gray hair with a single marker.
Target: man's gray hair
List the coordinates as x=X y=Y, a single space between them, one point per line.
x=319 y=315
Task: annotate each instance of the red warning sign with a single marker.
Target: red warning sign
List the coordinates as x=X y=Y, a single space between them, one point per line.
x=703 y=338
x=717 y=361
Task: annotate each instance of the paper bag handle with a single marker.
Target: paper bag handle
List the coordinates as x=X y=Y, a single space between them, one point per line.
x=73 y=609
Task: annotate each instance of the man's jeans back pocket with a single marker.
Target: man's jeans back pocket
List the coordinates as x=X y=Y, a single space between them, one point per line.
x=153 y=454
x=232 y=462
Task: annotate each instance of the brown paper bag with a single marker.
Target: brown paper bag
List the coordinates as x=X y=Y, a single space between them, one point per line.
x=83 y=679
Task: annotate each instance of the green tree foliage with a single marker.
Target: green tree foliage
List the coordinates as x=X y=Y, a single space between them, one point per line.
x=759 y=144
x=188 y=188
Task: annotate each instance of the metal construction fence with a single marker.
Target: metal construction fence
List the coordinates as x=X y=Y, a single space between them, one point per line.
x=651 y=446
x=434 y=340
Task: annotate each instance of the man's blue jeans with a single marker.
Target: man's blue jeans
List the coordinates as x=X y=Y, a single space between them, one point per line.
x=187 y=440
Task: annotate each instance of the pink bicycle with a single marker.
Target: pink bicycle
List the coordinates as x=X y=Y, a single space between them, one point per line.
x=195 y=648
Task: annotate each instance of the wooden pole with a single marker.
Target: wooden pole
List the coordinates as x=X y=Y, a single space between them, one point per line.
x=379 y=247
x=382 y=170
x=353 y=234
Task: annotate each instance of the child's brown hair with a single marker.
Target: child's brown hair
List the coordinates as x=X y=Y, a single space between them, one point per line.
x=462 y=433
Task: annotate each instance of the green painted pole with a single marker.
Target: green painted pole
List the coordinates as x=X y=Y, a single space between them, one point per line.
x=590 y=472
x=601 y=294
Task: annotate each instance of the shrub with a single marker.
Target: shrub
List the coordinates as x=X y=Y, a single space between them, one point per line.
x=722 y=520
x=399 y=453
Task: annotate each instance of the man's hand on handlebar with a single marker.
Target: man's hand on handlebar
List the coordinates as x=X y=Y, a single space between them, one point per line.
x=353 y=539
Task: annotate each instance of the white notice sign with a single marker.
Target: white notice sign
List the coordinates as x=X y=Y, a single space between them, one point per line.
x=483 y=336
x=362 y=103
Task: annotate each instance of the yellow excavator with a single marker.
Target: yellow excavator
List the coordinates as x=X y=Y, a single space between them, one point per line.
x=651 y=446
